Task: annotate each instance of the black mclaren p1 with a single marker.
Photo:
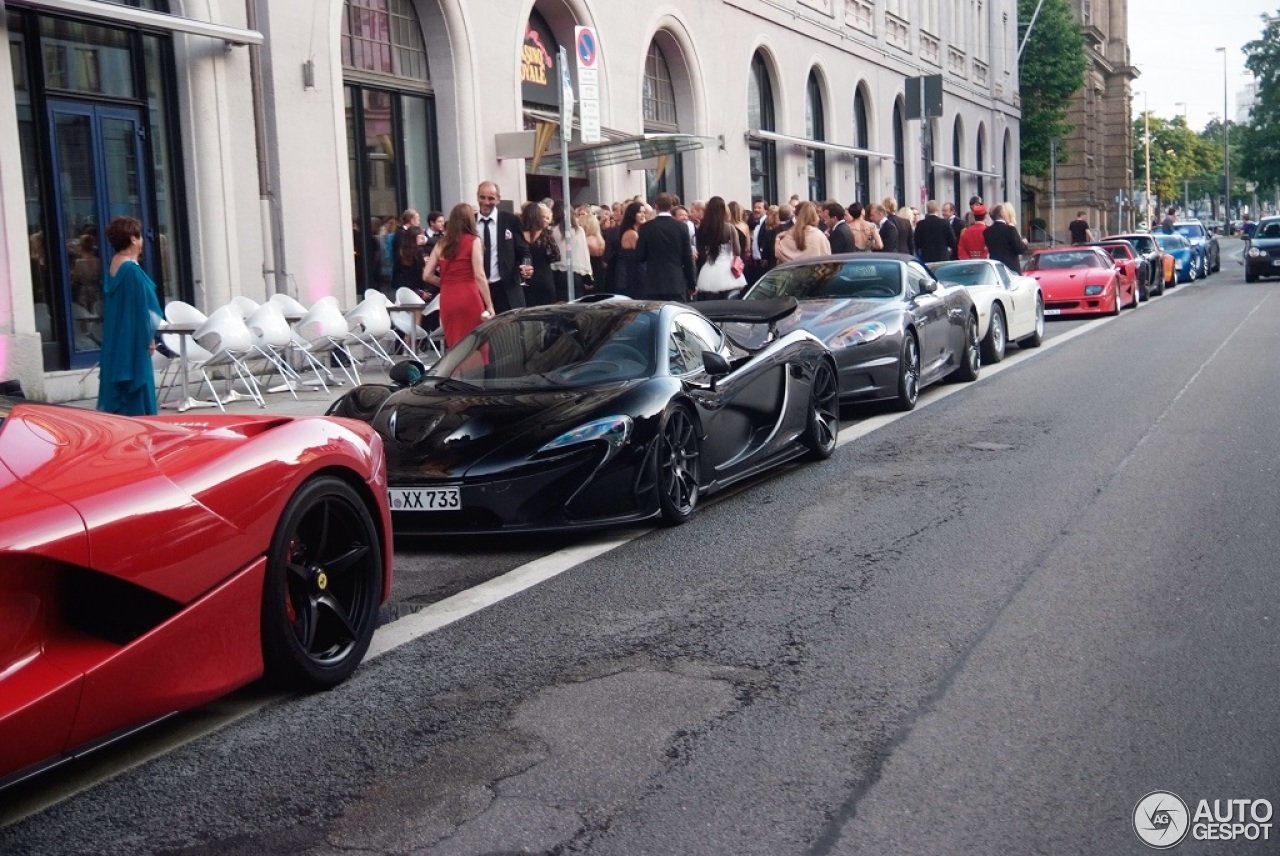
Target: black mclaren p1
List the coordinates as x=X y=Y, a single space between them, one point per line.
x=594 y=414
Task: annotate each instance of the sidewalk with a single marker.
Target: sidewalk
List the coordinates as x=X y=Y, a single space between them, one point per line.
x=311 y=401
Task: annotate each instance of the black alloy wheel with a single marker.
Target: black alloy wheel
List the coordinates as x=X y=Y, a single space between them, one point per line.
x=678 y=454
x=322 y=588
x=824 y=413
x=908 y=373
x=996 y=340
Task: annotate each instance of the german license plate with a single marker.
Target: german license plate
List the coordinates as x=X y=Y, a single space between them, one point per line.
x=1053 y=312
x=424 y=498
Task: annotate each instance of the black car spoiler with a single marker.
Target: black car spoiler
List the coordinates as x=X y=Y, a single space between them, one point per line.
x=747 y=311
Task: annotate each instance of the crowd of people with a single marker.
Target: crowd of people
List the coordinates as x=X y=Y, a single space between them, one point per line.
x=483 y=260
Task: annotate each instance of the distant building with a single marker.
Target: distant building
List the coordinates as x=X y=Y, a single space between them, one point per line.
x=265 y=145
x=1100 y=147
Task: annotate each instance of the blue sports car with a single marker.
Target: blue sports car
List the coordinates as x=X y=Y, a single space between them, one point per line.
x=1186 y=261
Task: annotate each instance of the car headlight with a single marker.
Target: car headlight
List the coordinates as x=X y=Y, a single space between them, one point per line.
x=1254 y=252
x=1092 y=289
x=614 y=430
x=858 y=334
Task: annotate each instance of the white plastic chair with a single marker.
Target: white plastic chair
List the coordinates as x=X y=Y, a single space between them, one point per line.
x=246 y=306
x=288 y=306
x=323 y=330
x=369 y=322
x=228 y=340
x=184 y=314
x=271 y=336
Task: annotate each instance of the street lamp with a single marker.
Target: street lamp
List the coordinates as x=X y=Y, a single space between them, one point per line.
x=1146 y=139
x=1226 y=140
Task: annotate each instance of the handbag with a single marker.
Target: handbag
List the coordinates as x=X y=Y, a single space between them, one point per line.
x=737 y=265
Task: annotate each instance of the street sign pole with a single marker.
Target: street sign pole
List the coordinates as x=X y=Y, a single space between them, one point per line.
x=566 y=129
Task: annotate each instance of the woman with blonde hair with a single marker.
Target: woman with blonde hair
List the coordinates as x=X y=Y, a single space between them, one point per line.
x=464 y=289
x=804 y=240
x=738 y=220
x=1003 y=242
x=590 y=223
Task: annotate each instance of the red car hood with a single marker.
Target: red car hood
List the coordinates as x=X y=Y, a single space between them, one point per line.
x=1068 y=283
x=123 y=479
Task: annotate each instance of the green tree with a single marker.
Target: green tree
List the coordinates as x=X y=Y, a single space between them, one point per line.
x=1182 y=161
x=1052 y=70
x=1259 y=140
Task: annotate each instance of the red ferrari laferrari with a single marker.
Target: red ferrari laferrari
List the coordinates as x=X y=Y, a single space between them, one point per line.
x=1080 y=281
x=150 y=565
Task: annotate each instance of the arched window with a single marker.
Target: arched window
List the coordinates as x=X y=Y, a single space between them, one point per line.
x=956 y=132
x=982 y=182
x=391 y=136
x=861 y=136
x=899 y=153
x=659 y=104
x=815 y=129
x=764 y=158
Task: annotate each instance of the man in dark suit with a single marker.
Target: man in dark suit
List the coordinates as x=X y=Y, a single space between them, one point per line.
x=906 y=237
x=1003 y=241
x=949 y=214
x=935 y=241
x=888 y=228
x=666 y=252
x=503 y=248
x=838 y=234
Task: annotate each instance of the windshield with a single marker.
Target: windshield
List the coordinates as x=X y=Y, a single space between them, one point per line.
x=1268 y=229
x=873 y=279
x=555 y=347
x=1065 y=259
x=1171 y=242
x=965 y=273
x=1143 y=243
x=1189 y=230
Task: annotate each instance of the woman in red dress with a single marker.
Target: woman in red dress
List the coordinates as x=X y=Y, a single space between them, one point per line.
x=464 y=289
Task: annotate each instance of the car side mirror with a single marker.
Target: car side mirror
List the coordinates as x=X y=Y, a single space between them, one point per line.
x=715 y=364
x=406 y=373
x=928 y=286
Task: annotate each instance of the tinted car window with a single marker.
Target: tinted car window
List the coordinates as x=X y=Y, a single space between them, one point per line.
x=873 y=279
x=1189 y=230
x=552 y=347
x=1054 y=261
x=1268 y=229
x=965 y=273
x=691 y=334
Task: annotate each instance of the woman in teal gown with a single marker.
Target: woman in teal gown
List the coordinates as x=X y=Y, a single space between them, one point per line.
x=130 y=314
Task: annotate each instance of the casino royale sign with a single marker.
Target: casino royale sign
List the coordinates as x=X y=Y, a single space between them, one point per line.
x=539 y=81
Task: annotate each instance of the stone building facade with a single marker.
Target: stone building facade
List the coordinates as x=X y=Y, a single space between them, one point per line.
x=265 y=144
x=1100 y=146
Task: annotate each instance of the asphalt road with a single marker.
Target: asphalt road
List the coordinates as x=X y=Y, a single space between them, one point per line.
x=990 y=626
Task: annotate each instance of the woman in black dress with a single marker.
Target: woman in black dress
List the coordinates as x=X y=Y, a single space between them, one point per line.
x=540 y=289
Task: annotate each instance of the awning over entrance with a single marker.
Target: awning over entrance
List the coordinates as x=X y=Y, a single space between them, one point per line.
x=946 y=167
x=114 y=14
x=821 y=145
x=632 y=149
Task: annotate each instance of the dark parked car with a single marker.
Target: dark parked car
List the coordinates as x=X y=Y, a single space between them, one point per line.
x=1262 y=258
x=1204 y=241
x=584 y=415
x=1144 y=244
x=893 y=328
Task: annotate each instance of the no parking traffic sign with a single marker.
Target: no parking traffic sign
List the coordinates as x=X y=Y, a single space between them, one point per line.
x=588 y=50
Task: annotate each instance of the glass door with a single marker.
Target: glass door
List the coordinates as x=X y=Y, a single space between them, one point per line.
x=98 y=158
